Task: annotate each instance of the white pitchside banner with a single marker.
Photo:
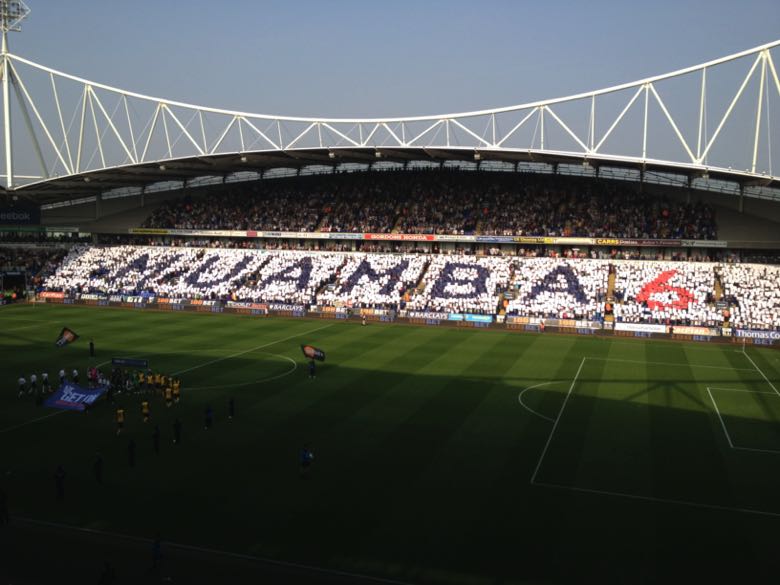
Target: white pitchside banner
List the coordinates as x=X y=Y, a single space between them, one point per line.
x=644 y=327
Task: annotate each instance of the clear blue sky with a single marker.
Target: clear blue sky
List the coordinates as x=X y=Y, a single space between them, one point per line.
x=348 y=58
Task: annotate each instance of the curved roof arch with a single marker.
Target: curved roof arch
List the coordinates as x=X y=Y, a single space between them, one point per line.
x=143 y=139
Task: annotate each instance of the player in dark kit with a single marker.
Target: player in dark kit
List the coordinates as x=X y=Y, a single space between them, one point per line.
x=231 y=408
x=312 y=369
x=91 y=348
x=305 y=458
x=209 y=416
x=120 y=419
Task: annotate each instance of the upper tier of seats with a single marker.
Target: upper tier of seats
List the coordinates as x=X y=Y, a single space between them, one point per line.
x=441 y=202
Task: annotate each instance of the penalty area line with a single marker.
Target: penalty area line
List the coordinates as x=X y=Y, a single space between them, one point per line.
x=671 y=364
x=222 y=359
x=659 y=500
x=760 y=371
x=722 y=423
x=215 y=552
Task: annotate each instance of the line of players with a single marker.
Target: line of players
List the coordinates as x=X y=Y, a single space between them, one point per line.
x=33 y=387
x=141 y=381
x=167 y=386
x=94 y=375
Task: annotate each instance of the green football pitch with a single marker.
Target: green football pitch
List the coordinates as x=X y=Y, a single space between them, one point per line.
x=442 y=455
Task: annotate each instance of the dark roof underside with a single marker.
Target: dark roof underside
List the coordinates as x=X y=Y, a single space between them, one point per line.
x=95 y=182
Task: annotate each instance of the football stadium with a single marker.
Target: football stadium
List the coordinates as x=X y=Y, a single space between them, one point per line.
x=533 y=344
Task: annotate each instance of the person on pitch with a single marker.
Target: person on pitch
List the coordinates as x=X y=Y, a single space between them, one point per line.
x=305 y=458
x=120 y=419
x=145 y=410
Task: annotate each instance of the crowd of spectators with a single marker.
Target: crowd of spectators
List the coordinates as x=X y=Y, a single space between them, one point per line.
x=281 y=208
x=290 y=277
x=374 y=280
x=673 y=293
x=36 y=262
x=663 y=292
x=414 y=247
x=753 y=291
x=560 y=288
x=463 y=284
x=441 y=202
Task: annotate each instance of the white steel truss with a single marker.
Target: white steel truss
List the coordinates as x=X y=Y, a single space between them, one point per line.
x=75 y=126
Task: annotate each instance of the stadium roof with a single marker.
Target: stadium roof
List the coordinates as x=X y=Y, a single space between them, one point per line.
x=191 y=169
x=146 y=140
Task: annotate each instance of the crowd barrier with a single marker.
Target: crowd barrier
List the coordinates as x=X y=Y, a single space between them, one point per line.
x=430 y=318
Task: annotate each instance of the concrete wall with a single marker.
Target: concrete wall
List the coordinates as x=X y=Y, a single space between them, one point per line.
x=116 y=215
x=759 y=220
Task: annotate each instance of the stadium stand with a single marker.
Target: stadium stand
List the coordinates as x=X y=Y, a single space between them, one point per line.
x=248 y=208
x=36 y=262
x=559 y=288
x=443 y=202
x=753 y=294
x=463 y=284
x=676 y=293
x=290 y=277
x=660 y=292
x=374 y=280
